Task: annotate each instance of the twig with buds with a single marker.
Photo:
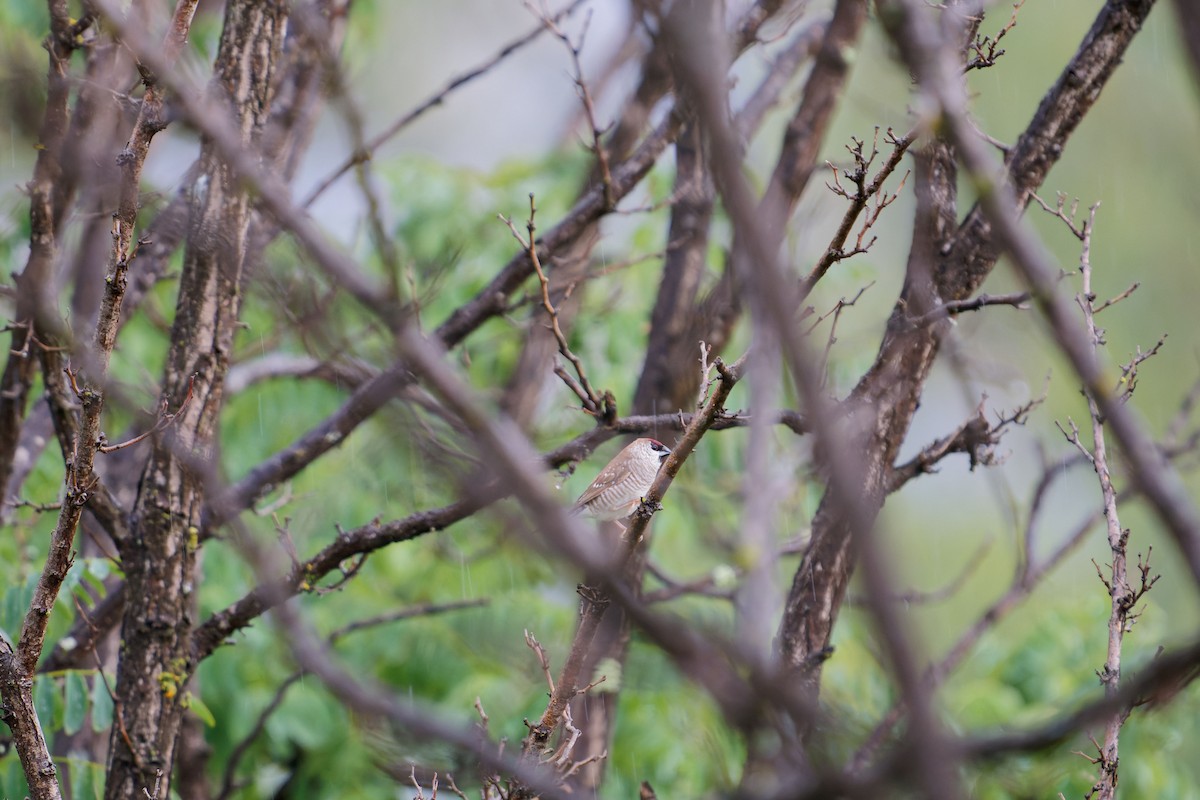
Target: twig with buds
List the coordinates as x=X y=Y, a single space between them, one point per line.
x=543 y=660
x=859 y=200
x=1122 y=596
x=986 y=47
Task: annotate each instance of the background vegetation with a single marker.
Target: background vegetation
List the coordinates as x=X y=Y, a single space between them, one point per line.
x=953 y=538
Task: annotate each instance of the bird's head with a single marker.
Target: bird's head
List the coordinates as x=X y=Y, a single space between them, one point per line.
x=653 y=448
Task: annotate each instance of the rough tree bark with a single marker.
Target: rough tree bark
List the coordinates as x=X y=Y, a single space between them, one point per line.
x=37 y=337
x=882 y=406
x=885 y=398
x=46 y=203
x=156 y=658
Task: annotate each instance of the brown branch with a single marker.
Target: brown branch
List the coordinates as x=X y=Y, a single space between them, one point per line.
x=976 y=437
x=952 y=308
x=331 y=432
x=1000 y=205
x=593 y=605
x=17 y=669
x=543 y=660
x=163 y=422
x=62 y=401
x=595 y=601
x=859 y=200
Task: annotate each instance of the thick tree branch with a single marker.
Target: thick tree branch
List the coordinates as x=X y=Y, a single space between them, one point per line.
x=955 y=263
x=159 y=561
x=1000 y=204
x=16 y=674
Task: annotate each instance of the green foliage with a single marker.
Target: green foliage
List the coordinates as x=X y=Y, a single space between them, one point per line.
x=48 y=700
x=670 y=734
x=102 y=703
x=450 y=245
x=87 y=779
x=65 y=700
x=12 y=777
x=22 y=74
x=76 y=702
x=204 y=36
x=16 y=602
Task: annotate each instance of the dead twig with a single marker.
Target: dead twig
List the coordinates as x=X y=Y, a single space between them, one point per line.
x=585 y=96
x=985 y=48
x=602 y=408
x=164 y=421
x=864 y=193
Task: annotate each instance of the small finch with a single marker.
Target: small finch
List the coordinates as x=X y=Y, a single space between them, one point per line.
x=621 y=485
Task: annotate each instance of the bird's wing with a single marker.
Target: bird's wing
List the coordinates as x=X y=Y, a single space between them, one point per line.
x=609 y=476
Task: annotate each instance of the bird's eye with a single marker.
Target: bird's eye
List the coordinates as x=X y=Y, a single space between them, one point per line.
x=657 y=447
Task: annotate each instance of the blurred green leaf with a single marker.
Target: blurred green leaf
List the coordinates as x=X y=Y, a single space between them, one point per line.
x=15 y=785
x=16 y=603
x=202 y=712
x=87 y=780
x=102 y=705
x=76 y=702
x=47 y=700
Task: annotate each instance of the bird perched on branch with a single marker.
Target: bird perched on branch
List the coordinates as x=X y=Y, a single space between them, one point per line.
x=620 y=486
